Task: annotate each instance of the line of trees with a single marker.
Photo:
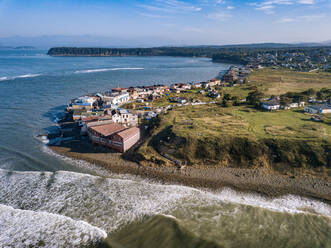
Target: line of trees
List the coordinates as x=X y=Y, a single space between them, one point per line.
x=233 y=54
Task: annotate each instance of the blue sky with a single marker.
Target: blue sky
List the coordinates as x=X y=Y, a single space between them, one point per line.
x=167 y=22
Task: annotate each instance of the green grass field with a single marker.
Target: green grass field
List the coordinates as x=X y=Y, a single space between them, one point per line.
x=215 y=121
x=269 y=80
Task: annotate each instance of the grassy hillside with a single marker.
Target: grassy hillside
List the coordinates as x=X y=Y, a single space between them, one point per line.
x=242 y=136
x=239 y=136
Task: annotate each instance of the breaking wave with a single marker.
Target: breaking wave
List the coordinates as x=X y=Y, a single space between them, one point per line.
x=19 y=76
x=25 y=228
x=287 y=203
x=111 y=203
x=107 y=69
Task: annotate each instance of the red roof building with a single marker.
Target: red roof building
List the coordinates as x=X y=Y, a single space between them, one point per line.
x=114 y=136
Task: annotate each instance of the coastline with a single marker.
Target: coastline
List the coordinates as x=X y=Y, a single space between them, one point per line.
x=246 y=180
x=225 y=61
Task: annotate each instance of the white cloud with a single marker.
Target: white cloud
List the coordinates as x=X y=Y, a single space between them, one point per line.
x=170 y=6
x=304 y=18
x=285 y=20
x=229 y=7
x=307 y=1
x=271 y=4
x=219 y=16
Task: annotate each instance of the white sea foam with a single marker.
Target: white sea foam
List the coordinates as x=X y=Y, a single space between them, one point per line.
x=109 y=203
x=25 y=228
x=19 y=76
x=103 y=202
x=107 y=69
x=287 y=203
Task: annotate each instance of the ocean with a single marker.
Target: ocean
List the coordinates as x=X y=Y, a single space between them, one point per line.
x=47 y=200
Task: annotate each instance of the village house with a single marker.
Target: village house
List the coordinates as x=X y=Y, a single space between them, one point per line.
x=205 y=85
x=318 y=109
x=150 y=115
x=158 y=89
x=174 y=86
x=214 y=82
x=116 y=99
x=293 y=105
x=230 y=77
x=179 y=87
x=123 y=116
x=181 y=100
x=133 y=93
x=196 y=85
x=119 y=90
x=177 y=90
x=143 y=92
x=214 y=94
x=154 y=97
x=114 y=135
x=185 y=86
x=83 y=102
x=271 y=105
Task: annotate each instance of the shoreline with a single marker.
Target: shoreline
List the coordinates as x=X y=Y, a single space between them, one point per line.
x=245 y=180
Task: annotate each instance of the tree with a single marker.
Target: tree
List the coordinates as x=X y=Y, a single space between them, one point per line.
x=254 y=97
x=324 y=94
x=311 y=92
x=227 y=97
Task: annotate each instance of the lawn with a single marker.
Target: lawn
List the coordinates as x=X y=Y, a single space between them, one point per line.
x=215 y=121
x=269 y=80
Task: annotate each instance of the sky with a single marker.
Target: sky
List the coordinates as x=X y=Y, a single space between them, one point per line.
x=169 y=22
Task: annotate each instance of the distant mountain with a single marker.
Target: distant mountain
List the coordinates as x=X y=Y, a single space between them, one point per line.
x=48 y=41
x=327 y=43
x=267 y=45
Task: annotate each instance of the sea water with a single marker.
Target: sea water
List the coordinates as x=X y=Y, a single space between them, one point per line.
x=47 y=200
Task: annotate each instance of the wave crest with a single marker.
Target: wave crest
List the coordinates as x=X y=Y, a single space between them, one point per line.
x=107 y=69
x=25 y=228
x=20 y=76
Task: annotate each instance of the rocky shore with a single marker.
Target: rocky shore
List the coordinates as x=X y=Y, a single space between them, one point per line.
x=247 y=180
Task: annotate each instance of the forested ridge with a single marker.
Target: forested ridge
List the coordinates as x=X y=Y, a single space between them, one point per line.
x=239 y=54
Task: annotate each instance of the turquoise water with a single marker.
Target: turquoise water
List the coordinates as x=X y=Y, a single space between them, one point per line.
x=50 y=201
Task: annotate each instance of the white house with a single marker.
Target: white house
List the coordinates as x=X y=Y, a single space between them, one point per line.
x=271 y=105
x=82 y=102
x=117 y=99
x=318 y=109
x=294 y=105
x=124 y=117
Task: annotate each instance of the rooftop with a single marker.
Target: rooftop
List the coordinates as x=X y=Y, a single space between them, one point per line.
x=271 y=103
x=108 y=129
x=320 y=106
x=128 y=133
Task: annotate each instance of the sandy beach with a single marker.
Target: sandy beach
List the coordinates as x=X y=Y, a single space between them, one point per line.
x=247 y=180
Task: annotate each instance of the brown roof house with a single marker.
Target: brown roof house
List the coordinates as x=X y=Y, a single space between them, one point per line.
x=114 y=135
